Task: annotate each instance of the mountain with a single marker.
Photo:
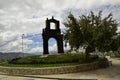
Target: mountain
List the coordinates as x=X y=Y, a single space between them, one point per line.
x=12 y=55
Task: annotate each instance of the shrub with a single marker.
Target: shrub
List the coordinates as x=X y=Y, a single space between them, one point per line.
x=103 y=63
x=117 y=54
x=53 y=59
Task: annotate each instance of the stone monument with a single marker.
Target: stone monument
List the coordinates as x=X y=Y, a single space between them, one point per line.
x=52 y=33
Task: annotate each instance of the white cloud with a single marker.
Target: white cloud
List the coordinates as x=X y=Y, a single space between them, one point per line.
x=28 y=17
x=118 y=29
x=10 y=42
x=27 y=41
x=53 y=48
x=95 y=3
x=36 y=49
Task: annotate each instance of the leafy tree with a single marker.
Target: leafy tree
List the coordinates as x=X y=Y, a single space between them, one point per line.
x=72 y=32
x=115 y=46
x=91 y=32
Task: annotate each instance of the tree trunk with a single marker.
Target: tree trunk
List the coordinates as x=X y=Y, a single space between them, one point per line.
x=87 y=53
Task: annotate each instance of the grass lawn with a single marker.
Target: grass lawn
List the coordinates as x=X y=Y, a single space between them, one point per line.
x=50 y=60
x=6 y=64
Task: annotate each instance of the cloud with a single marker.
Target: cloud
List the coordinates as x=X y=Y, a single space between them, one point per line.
x=118 y=30
x=28 y=17
x=52 y=49
x=36 y=49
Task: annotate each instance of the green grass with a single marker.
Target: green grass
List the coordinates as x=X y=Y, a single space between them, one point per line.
x=50 y=60
x=6 y=64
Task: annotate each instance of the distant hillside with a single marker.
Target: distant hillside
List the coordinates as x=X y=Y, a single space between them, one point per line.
x=12 y=55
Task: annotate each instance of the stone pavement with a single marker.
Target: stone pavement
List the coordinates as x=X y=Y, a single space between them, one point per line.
x=111 y=73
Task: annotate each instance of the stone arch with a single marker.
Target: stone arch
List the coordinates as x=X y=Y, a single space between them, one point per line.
x=52 y=33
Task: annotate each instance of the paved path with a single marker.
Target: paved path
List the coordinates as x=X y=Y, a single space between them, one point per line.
x=111 y=73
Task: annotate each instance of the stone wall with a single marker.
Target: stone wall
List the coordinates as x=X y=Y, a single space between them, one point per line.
x=50 y=70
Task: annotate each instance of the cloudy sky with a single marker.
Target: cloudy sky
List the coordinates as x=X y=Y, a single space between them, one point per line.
x=28 y=17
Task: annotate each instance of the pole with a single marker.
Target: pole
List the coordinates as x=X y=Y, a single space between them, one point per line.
x=22 y=45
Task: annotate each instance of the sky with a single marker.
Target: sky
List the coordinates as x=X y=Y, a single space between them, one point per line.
x=28 y=17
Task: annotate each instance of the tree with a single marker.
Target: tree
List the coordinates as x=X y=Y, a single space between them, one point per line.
x=115 y=46
x=91 y=32
x=72 y=32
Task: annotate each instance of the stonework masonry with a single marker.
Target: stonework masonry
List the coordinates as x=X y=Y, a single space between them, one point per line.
x=50 y=70
x=52 y=33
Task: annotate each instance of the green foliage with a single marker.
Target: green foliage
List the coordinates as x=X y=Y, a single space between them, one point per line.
x=36 y=65
x=49 y=59
x=91 y=32
x=117 y=54
x=54 y=59
x=73 y=30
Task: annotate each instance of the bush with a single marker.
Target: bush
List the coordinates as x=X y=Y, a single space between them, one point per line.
x=103 y=63
x=53 y=59
x=14 y=60
x=117 y=54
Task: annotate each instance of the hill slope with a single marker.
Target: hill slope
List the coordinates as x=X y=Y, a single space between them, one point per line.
x=12 y=55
